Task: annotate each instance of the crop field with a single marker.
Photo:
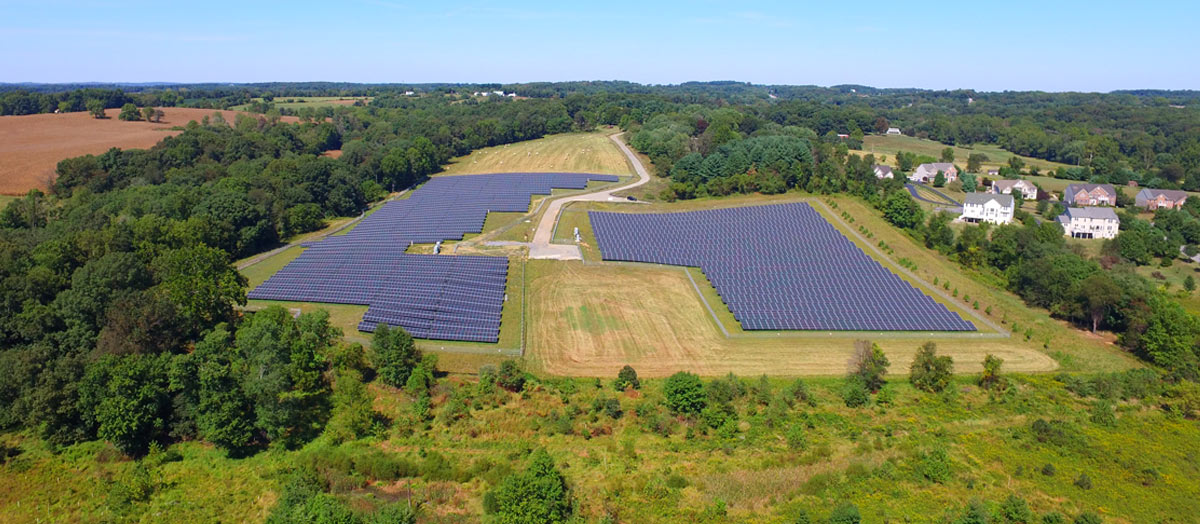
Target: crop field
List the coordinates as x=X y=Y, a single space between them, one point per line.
x=570 y=152
x=31 y=146
x=890 y=144
x=298 y=102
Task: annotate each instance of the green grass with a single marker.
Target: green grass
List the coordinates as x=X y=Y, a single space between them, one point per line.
x=890 y=144
x=5 y=199
x=570 y=152
x=1141 y=469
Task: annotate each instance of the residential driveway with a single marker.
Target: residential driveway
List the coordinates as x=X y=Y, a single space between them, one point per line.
x=543 y=233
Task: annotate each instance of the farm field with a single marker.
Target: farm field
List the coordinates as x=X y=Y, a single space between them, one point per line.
x=31 y=146
x=298 y=102
x=890 y=144
x=570 y=152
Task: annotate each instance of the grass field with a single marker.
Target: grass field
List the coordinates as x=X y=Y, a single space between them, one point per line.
x=298 y=102
x=571 y=152
x=890 y=144
x=652 y=314
x=5 y=199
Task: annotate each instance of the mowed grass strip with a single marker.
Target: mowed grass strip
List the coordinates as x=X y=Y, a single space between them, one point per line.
x=568 y=153
x=891 y=144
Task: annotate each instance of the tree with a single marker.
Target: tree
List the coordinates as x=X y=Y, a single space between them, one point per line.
x=224 y=415
x=395 y=354
x=869 y=364
x=991 y=379
x=938 y=233
x=150 y=114
x=970 y=182
x=948 y=155
x=626 y=378
x=65 y=106
x=1170 y=338
x=537 y=495
x=684 y=393
x=130 y=113
x=1189 y=283
x=1015 y=510
x=511 y=376
x=95 y=107
x=939 y=180
x=1099 y=294
x=201 y=283
x=902 y=211
x=128 y=401
x=930 y=372
x=975 y=162
x=1016 y=163
x=845 y=513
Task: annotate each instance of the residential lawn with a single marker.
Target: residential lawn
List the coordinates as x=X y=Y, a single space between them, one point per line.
x=890 y=144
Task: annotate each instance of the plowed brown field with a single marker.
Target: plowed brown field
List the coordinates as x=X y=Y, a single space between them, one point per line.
x=32 y=145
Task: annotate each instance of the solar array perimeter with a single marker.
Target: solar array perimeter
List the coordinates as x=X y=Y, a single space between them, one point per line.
x=440 y=297
x=777 y=267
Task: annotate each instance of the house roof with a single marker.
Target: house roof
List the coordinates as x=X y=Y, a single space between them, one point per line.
x=1102 y=213
x=936 y=166
x=979 y=199
x=1173 y=194
x=1075 y=188
x=1003 y=184
x=883 y=168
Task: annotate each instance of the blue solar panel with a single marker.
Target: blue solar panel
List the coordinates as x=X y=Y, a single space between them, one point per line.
x=432 y=296
x=777 y=267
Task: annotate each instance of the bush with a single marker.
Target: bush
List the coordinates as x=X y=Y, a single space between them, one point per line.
x=869 y=364
x=684 y=393
x=1015 y=510
x=798 y=392
x=511 y=376
x=935 y=466
x=1049 y=470
x=991 y=379
x=1083 y=481
x=676 y=481
x=796 y=437
x=845 y=513
x=1088 y=517
x=626 y=378
x=536 y=495
x=855 y=393
x=395 y=354
x=930 y=372
x=397 y=513
x=612 y=408
x=1103 y=414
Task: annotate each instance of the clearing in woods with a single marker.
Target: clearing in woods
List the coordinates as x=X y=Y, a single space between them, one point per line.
x=31 y=146
x=566 y=153
x=297 y=102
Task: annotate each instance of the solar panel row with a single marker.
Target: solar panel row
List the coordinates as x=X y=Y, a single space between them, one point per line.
x=777 y=267
x=431 y=296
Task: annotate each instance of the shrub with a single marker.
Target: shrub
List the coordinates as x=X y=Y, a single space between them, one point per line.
x=394 y=514
x=930 y=372
x=1087 y=517
x=869 y=364
x=684 y=393
x=935 y=466
x=534 y=496
x=991 y=379
x=627 y=378
x=1015 y=510
x=1049 y=470
x=676 y=481
x=796 y=437
x=395 y=354
x=802 y=518
x=1083 y=481
x=855 y=393
x=1054 y=517
x=511 y=376
x=612 y=408
x=1103 y=414
x=798 y=392
x=845 y=513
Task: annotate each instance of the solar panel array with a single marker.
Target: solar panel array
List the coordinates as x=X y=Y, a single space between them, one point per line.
x=432 y=296
x=777 y=267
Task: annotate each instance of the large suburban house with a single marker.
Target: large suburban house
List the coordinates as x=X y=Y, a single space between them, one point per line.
x=1152 y=199
x=1006 y=187
x=882 y=171
x=927 y=172
x=1090 y=195
x=988 y=207
x=1089 y=222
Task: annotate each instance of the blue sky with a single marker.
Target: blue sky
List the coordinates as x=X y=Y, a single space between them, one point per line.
x=1015 y=45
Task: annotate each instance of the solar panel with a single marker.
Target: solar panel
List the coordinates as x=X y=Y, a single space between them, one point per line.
x=432 y=296
x=777 y=267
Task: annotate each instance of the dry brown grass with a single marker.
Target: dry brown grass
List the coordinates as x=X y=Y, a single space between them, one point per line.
x=567 y=153
x=32 y=145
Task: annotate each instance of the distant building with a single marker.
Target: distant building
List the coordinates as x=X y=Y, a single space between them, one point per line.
x=409 y=93
x=843 y=135
x=1152 y=199
x=1089 y=222
x=927 y=172
x=882 y=171
x=993 y=172
x=988 y=207
x=893 y=131
x=1006 y=187
x=1090 y=195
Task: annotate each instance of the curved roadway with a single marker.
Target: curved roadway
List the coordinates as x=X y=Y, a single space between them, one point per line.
x=541 y=246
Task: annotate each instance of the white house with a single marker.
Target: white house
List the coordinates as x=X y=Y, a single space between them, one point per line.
x=927 y=172
x=1006 y=187
x=882 y=171
x=988 y=207
x=893 y=131
x=1089 y=222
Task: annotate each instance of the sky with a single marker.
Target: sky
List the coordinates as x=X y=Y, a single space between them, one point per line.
x=1046 y=45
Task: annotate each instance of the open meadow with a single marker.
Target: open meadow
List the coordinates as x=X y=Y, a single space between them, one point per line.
x=299 y=102
x=890 y=144
x=31 y=146
x=590 y=152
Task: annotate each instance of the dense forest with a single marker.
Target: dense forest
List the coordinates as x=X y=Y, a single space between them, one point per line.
x=119 y=312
